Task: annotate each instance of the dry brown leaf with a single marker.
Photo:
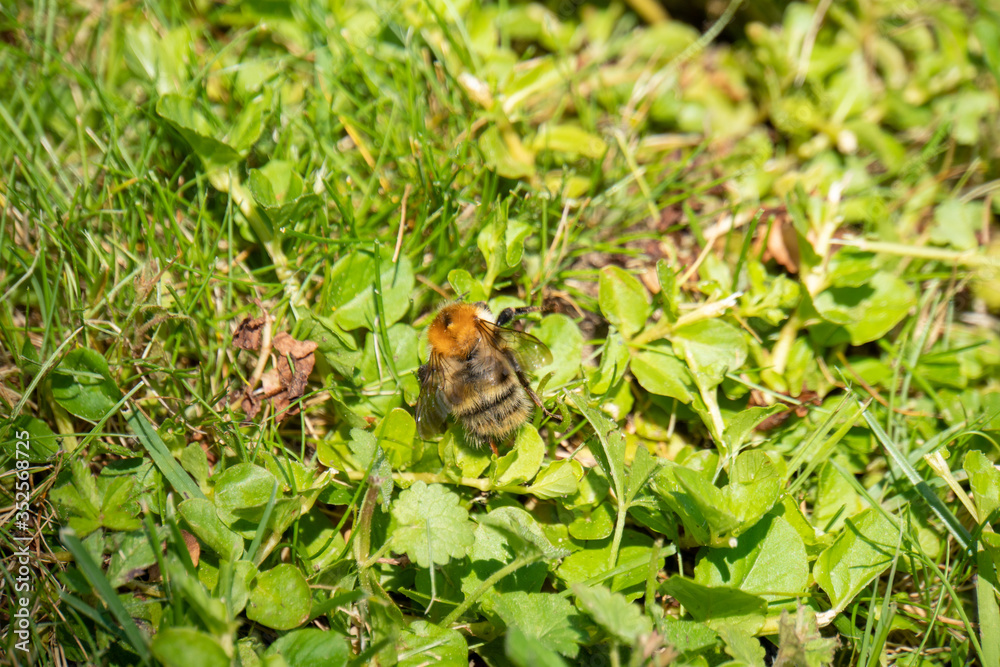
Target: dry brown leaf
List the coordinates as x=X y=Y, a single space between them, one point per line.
x=248 y=334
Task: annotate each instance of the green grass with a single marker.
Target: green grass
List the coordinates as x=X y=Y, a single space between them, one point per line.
x=716 y=224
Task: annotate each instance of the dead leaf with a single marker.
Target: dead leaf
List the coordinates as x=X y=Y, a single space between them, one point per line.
x=296 y=359
x=783 y=242
x=248 y=334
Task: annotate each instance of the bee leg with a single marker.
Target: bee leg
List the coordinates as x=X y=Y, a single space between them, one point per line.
x=494 y=448
x=508 y=314
x=534 y=397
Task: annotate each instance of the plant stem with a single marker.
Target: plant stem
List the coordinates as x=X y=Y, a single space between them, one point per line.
x=491 y=581
x=436 y=478
x=619 y=529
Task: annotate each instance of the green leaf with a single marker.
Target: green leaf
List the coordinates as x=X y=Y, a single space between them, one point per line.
x=800 y=643
x=423 y=643
x=241 y=486
x=549 y=619
x=850 y=267
x=506 y=155
x=591 y=523
x=698 y=502
x=753 y=489
x=102 y=587
x=610 y=449
x=521 y=464
x=42 y=443
x=617 y=616
x=669 y=295
x=514 y=237
x=644 y=466
x=119 y=508
x=769 y=560
x=353 y=294
x=198 y=131
x=863 y=551
x=280 y=598
x=521 y=532
x=279 y=190
x=565 y=341
x=614 y=363
x=82 y=384
x=688 y=636
x=567 y=139
x=743 y=646
x=718 y=606
x=744 y=422
x=195 y=461
x=395 y=434
x=187 y=647
x=659 y=372
x=711 y=348
x=205 y=524
x=430 y=525
x=338 y=348
x=466 y=286
x=623 y=300
x=502 y=536
x=460 y=457
x=311 y=647
x=870 y=311
x=984 y=481
x=79 y=499
x=557 y=480
x=370 y=457
x=712 y=515
x=320 y=544
x=591 y=560
x=524 y=650
x=130 y=556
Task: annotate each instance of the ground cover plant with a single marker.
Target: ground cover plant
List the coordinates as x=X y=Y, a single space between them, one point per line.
x=763 y=241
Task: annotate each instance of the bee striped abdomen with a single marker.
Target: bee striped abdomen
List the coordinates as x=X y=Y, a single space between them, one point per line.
x=496 y=413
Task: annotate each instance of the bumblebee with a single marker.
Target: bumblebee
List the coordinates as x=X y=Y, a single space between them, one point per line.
x=476 y=372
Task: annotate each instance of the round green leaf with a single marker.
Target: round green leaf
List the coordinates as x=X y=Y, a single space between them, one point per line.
x=711 y=349
x=280 y=599
x=623 y=300
x=395 y=434
x=660 y=372
x=466 y=286
x=430 y=525
x=870 y=311
x=187 y=647
x=82 y=384
x=311 y=647
x=241 y=486
x=592 y=524
x=523 y=461
x=564 y=339
x=557 y=480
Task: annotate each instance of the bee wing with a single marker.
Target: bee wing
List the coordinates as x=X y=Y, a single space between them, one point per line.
x=431 y=408
x=530 y=352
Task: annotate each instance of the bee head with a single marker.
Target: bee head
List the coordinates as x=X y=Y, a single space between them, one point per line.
x=455 y=331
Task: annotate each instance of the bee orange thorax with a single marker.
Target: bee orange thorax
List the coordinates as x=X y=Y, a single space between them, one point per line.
x=455 y=331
